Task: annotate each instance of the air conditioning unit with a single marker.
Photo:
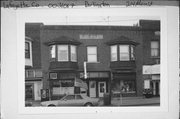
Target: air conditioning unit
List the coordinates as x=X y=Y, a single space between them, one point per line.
x=53 y=76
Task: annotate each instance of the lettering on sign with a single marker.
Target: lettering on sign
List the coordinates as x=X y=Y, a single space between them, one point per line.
x=91 y=36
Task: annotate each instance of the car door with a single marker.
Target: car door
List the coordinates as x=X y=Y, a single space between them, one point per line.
x=67 y=101
x=79 y=101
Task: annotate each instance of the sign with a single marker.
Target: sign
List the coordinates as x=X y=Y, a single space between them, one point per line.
x=44 y=94
x=85 y=70
x=146 y=84
x=151 y=69
x=91 y=36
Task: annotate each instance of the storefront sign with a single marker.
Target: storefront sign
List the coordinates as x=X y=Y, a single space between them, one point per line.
x=91 y=36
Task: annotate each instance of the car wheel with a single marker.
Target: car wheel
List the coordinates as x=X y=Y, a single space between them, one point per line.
x=51 y=105
x=88 y=104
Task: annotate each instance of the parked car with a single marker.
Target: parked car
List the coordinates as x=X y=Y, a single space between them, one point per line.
x=73 y=100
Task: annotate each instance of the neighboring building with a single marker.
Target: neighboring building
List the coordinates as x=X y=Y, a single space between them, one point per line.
x=33 y=71
x=113 y=57
x=151 y=59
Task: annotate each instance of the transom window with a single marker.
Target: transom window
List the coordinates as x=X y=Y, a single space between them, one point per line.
x=154 y=48
x=122 y=52
x=92 y=54
x=63 y=53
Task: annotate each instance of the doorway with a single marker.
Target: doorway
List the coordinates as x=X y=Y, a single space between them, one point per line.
x=102 y=88
x=92 y=88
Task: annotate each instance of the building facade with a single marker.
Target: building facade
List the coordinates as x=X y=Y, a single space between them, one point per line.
x=109 y=59
x=151 y=59
x=33 y=71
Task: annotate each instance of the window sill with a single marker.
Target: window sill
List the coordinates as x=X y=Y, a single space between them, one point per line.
x=93 y=62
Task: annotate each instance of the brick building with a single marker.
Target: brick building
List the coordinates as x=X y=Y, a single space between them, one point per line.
x=113 y=56
x=33 y=71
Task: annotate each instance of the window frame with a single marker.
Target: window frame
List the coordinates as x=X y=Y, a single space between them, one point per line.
x=28 y=50
x=92 y=54
x=120 y=53
x=58 y=57
x=157 y=49
x=112 y=53
x=73 y=60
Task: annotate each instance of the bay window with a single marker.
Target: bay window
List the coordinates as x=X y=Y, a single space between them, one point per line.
x=63 y=53
x=122 y=52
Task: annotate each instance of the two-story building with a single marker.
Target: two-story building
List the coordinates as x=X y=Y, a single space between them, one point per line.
x=107 y=58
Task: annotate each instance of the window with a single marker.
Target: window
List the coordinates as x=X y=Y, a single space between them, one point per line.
x=73 y=53
x=78 y=97
x=114 y=53
x=27 y=50
x=53 y=51
x=92 y=54
x=124 y=52
x=62 y=52
x=132 y=52
x=124 y=86
x=70 y=97
x=154 y=48
x=53 y=76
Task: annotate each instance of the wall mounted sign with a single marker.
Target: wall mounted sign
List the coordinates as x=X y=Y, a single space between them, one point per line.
x=91 y=36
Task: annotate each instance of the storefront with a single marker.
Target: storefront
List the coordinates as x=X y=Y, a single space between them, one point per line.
x=33 y=84
x=98 y=83
x=151 y=74
x=124 y=84
x=32 y=90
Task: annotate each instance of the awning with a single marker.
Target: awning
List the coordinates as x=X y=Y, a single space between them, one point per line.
x=151 y=69
x=79 y=83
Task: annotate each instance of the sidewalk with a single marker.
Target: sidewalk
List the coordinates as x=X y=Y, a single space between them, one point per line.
x=135 y=101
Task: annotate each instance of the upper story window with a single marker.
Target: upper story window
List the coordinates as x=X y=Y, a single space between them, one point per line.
x=154 y=48
x=114 y=53
x=27 y=50
x=124 y=53
x=73 y=53
x=63 y=53
x=63 y=49
x=53 y=51
x=92 y=54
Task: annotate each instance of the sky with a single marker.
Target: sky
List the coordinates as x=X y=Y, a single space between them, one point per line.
x=109 y=20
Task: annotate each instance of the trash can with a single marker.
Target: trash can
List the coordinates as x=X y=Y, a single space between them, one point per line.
x=107 y=99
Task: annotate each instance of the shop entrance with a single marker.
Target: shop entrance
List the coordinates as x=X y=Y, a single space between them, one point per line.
x=102 y=88
x=29 y=89
x=92 y=88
